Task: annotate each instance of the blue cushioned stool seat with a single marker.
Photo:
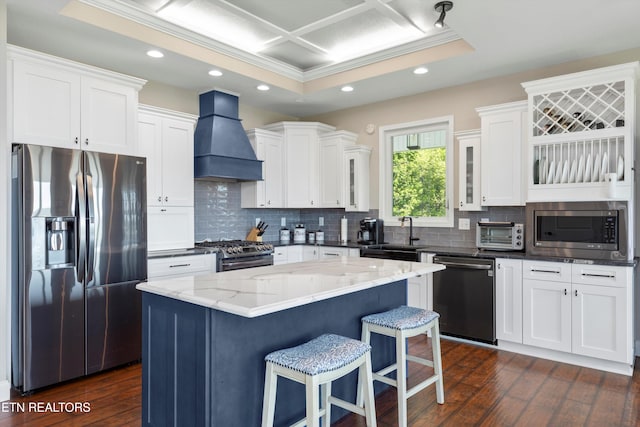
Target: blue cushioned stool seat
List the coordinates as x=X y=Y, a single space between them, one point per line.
x=403 y=317
x=325 y=353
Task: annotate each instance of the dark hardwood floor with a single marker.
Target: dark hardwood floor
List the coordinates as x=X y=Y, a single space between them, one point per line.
x=483 y=386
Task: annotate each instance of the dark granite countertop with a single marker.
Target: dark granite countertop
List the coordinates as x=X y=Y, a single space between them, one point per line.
x=438 y=250
x=328 y=243
x=180 y=252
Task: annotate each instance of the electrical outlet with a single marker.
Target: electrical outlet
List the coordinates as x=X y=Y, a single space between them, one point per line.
x=257 y=221
x=283 y=222
x=321 y=221
x=464 y=224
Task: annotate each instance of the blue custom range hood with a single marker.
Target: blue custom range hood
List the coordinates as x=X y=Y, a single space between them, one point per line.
x=221 y=147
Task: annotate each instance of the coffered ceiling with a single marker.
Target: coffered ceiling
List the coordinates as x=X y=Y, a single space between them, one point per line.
x=306 y=50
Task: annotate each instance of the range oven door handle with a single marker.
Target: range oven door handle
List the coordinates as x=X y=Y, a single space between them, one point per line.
x=239 y=264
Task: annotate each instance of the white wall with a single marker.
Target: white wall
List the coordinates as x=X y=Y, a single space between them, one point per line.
x=5 y=324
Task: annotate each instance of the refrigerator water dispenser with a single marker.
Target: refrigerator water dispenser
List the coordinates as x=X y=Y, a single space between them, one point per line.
x=60 y=238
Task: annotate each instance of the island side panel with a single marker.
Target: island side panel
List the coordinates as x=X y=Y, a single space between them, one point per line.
x=175 y=370
x=206 y=367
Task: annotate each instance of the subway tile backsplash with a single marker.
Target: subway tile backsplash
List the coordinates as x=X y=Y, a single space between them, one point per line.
x=218 y=215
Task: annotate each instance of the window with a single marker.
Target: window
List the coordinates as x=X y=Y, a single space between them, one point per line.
x=416 y=172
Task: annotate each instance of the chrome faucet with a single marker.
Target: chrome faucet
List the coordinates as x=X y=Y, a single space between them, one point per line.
x=411 y=238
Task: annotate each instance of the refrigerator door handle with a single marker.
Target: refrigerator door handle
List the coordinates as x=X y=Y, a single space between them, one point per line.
x=81 y=227
x=91 y=232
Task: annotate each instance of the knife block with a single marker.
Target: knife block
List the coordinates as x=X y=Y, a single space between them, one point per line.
x=252 y=236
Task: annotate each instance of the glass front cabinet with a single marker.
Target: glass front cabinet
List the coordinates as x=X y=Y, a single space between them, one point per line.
x=469 y=170
x=356 y=164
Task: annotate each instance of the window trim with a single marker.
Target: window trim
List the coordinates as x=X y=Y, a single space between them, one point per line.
x=385 y=187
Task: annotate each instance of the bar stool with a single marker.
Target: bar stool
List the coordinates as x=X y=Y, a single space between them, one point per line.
x=316 y=364
x=401 y=323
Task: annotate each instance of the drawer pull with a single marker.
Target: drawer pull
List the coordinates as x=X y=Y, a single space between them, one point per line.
x=534 y=270
x=608 y=276
x=179 y=265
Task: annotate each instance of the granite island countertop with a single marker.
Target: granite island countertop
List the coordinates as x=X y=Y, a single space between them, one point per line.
x=258 y=291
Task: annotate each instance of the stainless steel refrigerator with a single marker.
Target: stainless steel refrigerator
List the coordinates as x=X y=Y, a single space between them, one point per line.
x=79 y=247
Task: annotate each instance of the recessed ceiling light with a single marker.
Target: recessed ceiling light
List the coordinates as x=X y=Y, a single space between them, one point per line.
x=155 y=53
x=421 y=70
x=347 y=88
x=263 y=87
x=215 y=73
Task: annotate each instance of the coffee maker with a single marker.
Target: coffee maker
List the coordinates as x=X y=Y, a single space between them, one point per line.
x=371 y=231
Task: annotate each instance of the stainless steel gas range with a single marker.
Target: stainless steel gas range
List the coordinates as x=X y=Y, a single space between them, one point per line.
x=239 y=254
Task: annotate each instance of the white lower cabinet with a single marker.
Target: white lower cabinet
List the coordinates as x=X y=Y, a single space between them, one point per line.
x=287 y=254
x=188 y=265
x=329 y=252
x=420 y=288
x=582 y=309
x=508 y=276
x=297 y=253
x=310 y=253
x=280 y=255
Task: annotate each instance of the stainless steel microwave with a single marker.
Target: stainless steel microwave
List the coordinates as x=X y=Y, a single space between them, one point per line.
x=590 y=230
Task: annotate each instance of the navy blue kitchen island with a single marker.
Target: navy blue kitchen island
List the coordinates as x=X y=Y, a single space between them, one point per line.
x=205 y=337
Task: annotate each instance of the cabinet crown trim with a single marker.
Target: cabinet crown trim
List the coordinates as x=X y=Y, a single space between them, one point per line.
x=579 y=79
x=23 y=54
x=283 y=126
x=473 y=133
x=172 y=114
x=509 y=106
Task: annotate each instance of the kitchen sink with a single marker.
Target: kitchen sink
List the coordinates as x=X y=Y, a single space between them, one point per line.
x=392 y=251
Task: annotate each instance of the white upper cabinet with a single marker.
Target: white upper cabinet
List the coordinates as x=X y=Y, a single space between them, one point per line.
x=356 y=164
x=302 y=161
x=332 y=174
x=166 y=140
x=581 y=130
x=60 y=103
x=501 y=150
x=469 y=170
x=268 y=193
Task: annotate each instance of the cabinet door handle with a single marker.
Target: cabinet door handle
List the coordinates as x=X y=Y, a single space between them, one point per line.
x=565 y=291
x=166 y=198
x=179 y=265
x=312 y=203
x=576 y=292
x=86 y=141
x=159 y=198
x=268 y=202
x=461 y=204
x=484 y=199
x=163 y=210
x=535 y=270
x=76 y=139
x=608 y=276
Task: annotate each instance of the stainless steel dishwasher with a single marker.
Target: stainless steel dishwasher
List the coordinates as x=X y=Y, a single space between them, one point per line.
x=464 y=296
